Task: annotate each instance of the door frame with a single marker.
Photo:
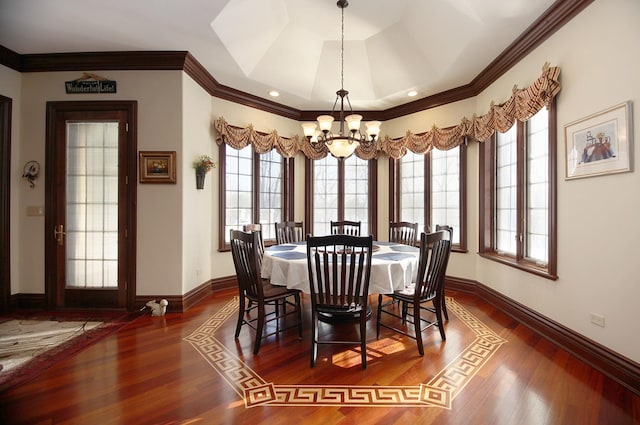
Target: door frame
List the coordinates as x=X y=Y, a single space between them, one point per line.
x=5 y=203
x=52 y=294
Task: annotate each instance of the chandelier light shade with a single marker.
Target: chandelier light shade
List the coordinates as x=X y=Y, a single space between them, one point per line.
x=343 y=144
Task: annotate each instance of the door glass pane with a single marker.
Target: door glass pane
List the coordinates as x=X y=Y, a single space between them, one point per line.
x=92 y=205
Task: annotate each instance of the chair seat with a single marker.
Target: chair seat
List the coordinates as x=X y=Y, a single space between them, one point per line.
x=275 y=291
x=346 y=309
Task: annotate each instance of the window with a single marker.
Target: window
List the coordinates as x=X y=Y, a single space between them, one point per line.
x=256 y=188
x=340 y=190
x=430 y=190
x=517 y=188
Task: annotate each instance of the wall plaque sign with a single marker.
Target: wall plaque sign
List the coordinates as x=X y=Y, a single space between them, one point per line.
x=90 y=83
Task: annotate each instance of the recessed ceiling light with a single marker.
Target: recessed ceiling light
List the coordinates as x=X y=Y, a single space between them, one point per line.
x=274 y=93
x=412 y=93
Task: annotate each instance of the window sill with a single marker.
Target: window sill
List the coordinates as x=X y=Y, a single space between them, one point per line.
x=521 y=265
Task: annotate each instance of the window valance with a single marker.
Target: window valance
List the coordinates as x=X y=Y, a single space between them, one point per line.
x=522 y=105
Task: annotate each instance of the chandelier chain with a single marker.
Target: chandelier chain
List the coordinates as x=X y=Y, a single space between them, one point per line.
x=342 y=54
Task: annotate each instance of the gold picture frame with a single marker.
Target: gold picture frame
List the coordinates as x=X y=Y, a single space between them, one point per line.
x=157 y=167
x=599 y=144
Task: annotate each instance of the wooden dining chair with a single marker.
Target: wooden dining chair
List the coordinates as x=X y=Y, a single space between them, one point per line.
x=450 y=230
x=339 y=273
x=246 y=259
x=256 y=227
x=289 y=231
x=425 y=295
x=345 y=227
x=403 y=232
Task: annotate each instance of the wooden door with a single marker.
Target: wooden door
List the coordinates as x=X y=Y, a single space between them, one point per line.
x=90 y=205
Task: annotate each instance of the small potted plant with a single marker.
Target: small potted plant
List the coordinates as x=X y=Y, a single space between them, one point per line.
x=202 y=165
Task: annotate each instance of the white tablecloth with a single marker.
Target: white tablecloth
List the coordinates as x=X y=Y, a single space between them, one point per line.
x=393 y=266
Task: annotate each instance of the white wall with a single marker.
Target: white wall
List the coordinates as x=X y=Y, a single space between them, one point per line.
x=199 y=216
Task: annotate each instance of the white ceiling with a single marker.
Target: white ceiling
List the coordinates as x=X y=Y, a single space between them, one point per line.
x=292 y=46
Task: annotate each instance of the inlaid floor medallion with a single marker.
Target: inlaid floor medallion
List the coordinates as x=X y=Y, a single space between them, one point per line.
x=440 y=391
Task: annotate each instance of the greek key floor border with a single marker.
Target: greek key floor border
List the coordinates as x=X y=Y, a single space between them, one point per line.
x=440 y=391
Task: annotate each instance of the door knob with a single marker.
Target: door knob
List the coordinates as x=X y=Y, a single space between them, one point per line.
x=59 y=233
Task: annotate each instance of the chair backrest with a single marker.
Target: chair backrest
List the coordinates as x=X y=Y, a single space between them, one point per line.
x=256 y=227
x=432 y=264
x=339 y=271
x=345 y=227
x=246 y=259
x=403 y=232
x=447 y=228
x=289 y=231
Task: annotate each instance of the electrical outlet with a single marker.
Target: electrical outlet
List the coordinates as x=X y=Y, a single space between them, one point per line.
x=597 y=319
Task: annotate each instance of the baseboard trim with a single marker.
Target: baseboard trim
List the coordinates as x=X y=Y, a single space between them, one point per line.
x=28 y=302
x=182 y=303
x=617 y=367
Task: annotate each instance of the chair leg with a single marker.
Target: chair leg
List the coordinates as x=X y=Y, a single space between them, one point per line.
x=314 y=338
x=438 y=306
x=299 y=308
x=444 y=309
x=259 y=328
x=378 y=316
x=363 y=338
x=241 y=309
x=417 y=325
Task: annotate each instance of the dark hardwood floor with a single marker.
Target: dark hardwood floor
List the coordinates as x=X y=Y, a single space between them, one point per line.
x=188 y=369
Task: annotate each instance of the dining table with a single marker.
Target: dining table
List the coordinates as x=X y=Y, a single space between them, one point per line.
x=393 y=266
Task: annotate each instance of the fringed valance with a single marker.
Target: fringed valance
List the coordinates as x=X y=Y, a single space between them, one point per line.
x=522 y=105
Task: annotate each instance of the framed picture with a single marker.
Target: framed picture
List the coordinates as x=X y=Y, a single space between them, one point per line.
x=157 y=166
x=600 y=143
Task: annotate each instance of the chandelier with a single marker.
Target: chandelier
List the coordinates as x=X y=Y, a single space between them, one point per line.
x=343 y=144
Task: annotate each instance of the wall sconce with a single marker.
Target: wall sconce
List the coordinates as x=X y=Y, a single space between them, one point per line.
x=30 y=172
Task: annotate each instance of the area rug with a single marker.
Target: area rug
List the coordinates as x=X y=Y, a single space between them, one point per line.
x=32 y=342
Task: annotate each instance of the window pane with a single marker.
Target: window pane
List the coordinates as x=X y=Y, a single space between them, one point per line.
x=445 y=190
x=356 y=192
x=412 y=189
x=325 y=194
x=239 y=188
x=507 y=190
x=537 y=192
x=270 y=192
